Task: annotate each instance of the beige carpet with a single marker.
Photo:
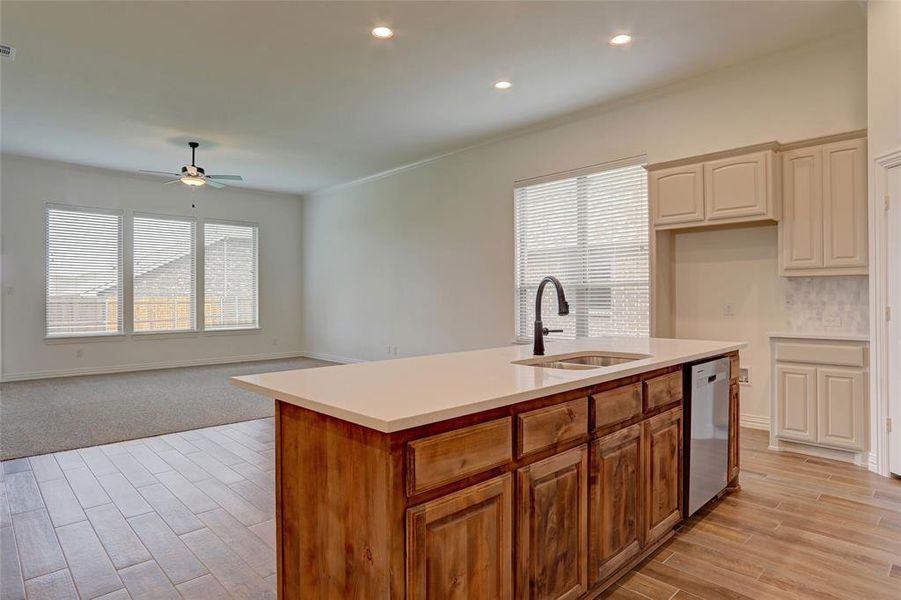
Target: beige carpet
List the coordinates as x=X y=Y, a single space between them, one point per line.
x=48 y=415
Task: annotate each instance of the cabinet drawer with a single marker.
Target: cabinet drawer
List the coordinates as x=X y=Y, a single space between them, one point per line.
x=617 y=405
x=849 y=355
x=439 y=459
x=663 y=390
x=546 y=427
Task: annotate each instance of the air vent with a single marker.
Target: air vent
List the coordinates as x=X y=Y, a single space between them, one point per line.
x=7 y=52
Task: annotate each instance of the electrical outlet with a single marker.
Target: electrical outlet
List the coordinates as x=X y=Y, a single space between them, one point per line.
x=79 y=353
x=728 y=310
x=832 y=320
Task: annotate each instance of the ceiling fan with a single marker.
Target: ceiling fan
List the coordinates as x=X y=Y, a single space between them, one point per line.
x=195 y=176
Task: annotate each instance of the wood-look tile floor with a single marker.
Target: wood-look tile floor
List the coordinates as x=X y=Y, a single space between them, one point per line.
x=801 y=527
x=184 y=515
x=190 y=515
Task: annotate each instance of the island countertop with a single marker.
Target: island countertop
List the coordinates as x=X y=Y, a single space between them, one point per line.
x=393 y=395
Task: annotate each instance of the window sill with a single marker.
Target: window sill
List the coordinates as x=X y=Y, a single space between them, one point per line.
x=164 y=335
x=236 y=331
x=79 y=339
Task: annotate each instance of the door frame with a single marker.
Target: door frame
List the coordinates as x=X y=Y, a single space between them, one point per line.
x=879 y=303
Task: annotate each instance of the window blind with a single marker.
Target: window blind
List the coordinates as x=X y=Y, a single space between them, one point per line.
x=164 y=274
x=230 y=276
x=84 y=272
x=591 y=232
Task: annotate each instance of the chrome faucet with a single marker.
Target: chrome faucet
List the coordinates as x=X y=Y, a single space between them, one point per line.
x=562 y=309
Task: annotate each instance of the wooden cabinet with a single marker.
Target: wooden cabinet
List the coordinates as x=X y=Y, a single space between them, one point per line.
x=461 y=545
x=662 y=457
x=662 y=390
x=677 y=194
x=824 y=226
x=733 y=467
x=796 y=402
x=820 y=393
x=737 y=186
x=615 y=501
x=552 y=543
x=546 y=427
x=840 y=407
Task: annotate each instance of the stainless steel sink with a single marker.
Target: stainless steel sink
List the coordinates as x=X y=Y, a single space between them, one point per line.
x=581 y=360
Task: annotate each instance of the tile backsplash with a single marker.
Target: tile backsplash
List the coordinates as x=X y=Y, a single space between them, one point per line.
x=827 y=304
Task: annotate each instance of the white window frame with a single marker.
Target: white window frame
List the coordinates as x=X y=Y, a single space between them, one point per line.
x=201 y=279
x=122 y=265
x=130 y=281
x=633 y=161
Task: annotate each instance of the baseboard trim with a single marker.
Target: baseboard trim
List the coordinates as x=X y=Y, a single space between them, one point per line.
x=53 y=374
x=755 y=422
x=344 y=360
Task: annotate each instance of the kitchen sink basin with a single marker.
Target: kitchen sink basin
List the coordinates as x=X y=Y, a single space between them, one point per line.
x=580 y=361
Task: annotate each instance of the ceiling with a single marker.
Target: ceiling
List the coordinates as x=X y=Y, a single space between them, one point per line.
x=297 y=96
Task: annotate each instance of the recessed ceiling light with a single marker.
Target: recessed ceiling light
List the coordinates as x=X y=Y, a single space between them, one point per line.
x=382 y=32
x=621 y=39
x=502 y=85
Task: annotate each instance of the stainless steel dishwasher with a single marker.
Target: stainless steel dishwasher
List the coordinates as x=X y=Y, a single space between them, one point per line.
x=707 y=432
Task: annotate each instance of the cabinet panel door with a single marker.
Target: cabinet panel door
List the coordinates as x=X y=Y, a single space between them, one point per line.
x=461 y=546
x=614 y=530
x=841 y=407
x=737 y=186
x=677 y=194
x=845 y=204
x=802 y=219
x=796 y=402
x=552 y=546
x=734 y=426
x=662 y=456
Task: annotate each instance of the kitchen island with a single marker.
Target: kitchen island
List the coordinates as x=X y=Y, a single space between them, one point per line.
x=482 y=474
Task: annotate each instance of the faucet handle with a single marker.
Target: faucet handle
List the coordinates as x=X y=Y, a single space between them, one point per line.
x=547 y=331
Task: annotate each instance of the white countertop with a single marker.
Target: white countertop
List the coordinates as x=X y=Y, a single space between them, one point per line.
x=821 y=335
x=393 y=395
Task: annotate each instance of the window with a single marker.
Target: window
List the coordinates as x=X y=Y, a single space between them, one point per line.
x=84 y=272
x=164 y=274
x=230 y=276
x=591 y=231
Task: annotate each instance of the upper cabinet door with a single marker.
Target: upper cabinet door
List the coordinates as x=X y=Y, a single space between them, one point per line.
x=845 y=204
x=801 y=228
x=738 y=186
x=677 y=194
x=552 y=546
x=841 y=407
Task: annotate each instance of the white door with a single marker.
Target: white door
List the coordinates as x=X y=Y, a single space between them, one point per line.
x=894 y=301
x=841 y=407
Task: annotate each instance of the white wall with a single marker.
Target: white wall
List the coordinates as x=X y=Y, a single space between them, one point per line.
x=28 y=184
x=422 y=259
x=884 y=76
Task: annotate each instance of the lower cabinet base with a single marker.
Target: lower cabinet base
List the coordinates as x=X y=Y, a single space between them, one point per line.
x=850 y=456
x=628 y=566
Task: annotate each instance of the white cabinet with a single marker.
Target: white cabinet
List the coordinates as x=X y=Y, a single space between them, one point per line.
x=716 y=189
x=820 y=392
x=678 y=194
x=796 y=418
x=824 y=226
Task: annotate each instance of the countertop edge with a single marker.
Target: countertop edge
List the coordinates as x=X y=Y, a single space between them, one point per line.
x=820 y=335
x=401 y=424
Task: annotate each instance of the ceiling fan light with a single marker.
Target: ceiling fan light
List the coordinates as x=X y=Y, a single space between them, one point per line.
x=193 y=180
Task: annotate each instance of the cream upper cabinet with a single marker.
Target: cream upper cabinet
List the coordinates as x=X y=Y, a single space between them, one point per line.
x=841 y=407
x=824 y=226
x=796 y=401
x=677 y=194
x=716 y=189
x=738 y=186
x=802 y=211
x=845 y=204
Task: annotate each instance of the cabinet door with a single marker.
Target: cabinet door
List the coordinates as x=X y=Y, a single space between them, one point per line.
x=460 y=546
x=734 y=426
x=796 y=402
x=662 y=455
x=737 y=186
x=614 y=530
x=677 y=194
x=801 y=227
x=841 y=407
x=552 y=546
x=845 y=204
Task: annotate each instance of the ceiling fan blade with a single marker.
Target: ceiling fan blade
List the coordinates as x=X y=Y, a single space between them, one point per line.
x=160 y=173
x=173 y=181
x=215 y=184
x=226 y=177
